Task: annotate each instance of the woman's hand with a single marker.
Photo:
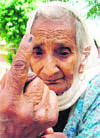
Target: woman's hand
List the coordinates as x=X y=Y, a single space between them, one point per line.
x=28 y=113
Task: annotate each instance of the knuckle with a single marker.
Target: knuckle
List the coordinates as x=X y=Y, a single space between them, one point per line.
x=43 y=117
x=23 y=112
x=7 y=103
x=52 y=119
x=6 y=108
x=19 y=65
x=40 y=116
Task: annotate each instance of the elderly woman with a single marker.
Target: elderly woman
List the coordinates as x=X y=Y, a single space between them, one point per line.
x=60 y=53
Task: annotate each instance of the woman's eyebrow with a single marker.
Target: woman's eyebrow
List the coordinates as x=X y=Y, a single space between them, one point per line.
x=38 y=45
x=64 y=44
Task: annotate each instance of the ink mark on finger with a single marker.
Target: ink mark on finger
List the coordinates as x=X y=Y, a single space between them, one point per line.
x=30 y=39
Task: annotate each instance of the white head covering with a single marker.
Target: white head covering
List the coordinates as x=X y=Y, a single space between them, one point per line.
x=88 y=55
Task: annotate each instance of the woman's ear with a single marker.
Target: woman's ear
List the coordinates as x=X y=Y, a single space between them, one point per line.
x=85 y=54
x=81 y=68
x=81 y=72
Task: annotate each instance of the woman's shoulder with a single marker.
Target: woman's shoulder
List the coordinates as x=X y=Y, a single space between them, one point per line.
x=87 y=113
x=90 y=115
x=92 y=93
x=95 y=81
x=85 y=120
x=93 y=88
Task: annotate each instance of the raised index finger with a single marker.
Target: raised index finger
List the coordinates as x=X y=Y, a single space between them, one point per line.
x=18 y=72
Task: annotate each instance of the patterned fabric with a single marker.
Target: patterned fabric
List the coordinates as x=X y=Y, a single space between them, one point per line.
x=85 y=120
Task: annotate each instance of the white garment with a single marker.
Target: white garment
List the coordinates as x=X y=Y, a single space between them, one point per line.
x=69 y=97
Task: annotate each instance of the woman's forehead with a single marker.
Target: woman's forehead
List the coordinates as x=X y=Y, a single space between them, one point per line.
x=50 y=31
x=53 y=29
x=42 y=23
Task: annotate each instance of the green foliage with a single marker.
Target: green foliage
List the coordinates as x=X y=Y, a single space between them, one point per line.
x=94 y=10
x=13 y=17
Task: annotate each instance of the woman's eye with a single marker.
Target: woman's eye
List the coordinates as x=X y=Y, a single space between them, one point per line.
x=37 y=51
x=64 y=51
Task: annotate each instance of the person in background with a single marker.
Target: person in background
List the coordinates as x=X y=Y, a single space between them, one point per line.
x=60 y=52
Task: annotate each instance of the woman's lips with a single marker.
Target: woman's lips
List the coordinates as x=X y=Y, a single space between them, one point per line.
x=54 y=82
x=51 y=83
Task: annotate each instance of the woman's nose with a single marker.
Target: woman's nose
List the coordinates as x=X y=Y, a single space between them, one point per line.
x=50 y=67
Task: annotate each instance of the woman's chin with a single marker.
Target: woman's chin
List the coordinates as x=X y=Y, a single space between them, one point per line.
x=58 y=89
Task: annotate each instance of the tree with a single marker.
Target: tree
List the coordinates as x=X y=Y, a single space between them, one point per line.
x=94 y=8
x=13 y=17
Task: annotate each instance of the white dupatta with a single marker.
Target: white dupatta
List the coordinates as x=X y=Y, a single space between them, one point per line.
x=80 y=82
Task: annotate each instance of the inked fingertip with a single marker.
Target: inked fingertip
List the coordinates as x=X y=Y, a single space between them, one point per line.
x=30 y=39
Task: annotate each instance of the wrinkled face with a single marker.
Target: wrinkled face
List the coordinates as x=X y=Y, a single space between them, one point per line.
x=54 y=57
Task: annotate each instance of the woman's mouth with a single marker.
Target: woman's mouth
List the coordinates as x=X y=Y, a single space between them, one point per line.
x=54 y=82
x=51 y=83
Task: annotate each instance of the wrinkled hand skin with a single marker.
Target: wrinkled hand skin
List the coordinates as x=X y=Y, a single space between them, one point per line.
x=25 y=114
x=55 y=135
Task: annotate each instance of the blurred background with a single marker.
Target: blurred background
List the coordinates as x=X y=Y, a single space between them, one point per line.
x=15 y=13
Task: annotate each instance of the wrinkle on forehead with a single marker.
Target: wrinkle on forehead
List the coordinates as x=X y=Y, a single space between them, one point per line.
x=48 y=29
x=54 y=34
